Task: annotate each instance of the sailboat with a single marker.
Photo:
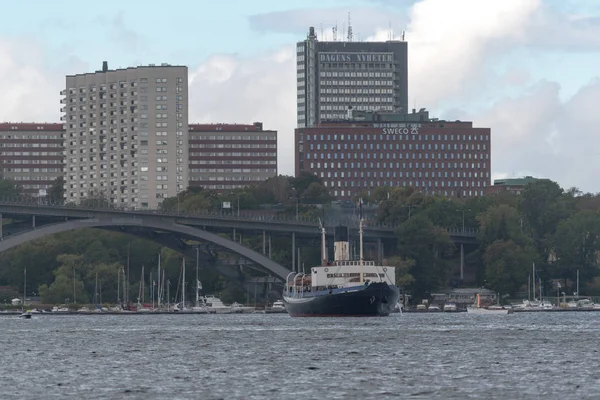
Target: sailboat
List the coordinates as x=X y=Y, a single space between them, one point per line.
x=478 y=308
x=25 y=314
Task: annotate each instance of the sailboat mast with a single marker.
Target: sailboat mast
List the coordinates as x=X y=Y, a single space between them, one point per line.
x=197 y=280
x=96 y=291
x=127 y=297
x=183 y=285
x=577 y=283
x=24 y=286
x=533 y=282
x=119 y=286
x=158 y=287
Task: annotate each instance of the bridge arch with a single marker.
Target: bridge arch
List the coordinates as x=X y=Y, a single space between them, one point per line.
x=150 y=223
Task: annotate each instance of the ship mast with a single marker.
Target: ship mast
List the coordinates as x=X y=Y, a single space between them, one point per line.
x=323 y=244
x=360 y=233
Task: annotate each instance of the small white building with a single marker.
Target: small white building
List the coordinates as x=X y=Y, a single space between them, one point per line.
x=16 y=302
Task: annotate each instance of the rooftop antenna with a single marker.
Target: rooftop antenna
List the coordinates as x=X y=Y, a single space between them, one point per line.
x=334 y=31
x=322 y=37
x=390 y=36
x=403 y=33
x=349 y=28
x=343 y=29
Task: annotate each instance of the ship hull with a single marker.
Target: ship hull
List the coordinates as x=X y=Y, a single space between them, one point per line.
x=374 y=300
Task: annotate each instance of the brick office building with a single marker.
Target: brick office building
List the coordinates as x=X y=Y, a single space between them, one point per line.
x=368 y=150
x=231 y=156
x=31 y=154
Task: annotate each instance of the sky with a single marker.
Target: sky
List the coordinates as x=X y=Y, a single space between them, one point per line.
x=527 y=69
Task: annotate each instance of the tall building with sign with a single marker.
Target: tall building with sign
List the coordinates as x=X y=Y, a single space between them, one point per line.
x=335 y=75
x=369 y=150
x=126 y=135
x=231 y=156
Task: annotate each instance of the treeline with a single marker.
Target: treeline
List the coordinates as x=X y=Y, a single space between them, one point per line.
x=557 y=230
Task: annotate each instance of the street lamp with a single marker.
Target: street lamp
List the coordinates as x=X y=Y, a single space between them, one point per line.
x=463 y=218
x=410 y=207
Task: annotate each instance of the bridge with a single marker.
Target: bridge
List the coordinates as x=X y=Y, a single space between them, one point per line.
x=174 y=229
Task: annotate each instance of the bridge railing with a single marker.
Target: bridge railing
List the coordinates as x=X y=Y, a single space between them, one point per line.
x=370 y=225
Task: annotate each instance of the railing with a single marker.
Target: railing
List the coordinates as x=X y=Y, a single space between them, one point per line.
x=243 y=216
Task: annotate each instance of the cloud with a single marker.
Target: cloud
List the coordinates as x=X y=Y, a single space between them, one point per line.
x=227 y=88
x=450 y=49
x=364 y=20
x=30 y=92
x=118 y=31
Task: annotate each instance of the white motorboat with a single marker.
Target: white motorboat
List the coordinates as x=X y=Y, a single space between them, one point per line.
x=214 y=304
x=278 y=305
x=25 y=314
x=488 y=310
x=434 y=308
x=57 y=309
x=450 y=307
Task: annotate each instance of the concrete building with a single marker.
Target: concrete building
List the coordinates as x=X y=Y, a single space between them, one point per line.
x=511 y=185
x=126 y=135
x=231 y=156
x=369 y=150
x=31 y=154
x=335 y=75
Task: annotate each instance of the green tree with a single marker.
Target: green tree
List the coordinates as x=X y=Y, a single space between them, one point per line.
x=507 y=265
x=9 y=189
x=543 y=205
x=316 y=193
x=577 y=245
x=55 y=195
x=426 y=244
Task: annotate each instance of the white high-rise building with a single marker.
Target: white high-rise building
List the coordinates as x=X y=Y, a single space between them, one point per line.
x=126 y=135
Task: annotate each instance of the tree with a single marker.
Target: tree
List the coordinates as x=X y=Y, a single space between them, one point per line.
x=506 y=266
x=543 y=205
x=9 y=189
x=577 y=245
x=426 y=244
x=501 y=222
x=55 y=194
x=303 y=181
x=316 y=193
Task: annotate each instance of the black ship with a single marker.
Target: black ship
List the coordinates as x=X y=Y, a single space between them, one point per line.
x=342 y=287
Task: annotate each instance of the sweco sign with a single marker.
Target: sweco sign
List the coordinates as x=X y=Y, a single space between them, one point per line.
x=412 y=129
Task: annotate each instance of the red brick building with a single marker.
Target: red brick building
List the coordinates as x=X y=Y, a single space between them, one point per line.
x=369 y=150
x=32 y=154
x=231 y=156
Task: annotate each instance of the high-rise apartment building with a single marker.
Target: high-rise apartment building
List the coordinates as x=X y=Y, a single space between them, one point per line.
x=31 y=154
x=126 y=135
x=231 y=156
x=370 y=150
x=335 y=75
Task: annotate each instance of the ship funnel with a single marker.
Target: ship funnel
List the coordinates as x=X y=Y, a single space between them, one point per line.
x=341 y=245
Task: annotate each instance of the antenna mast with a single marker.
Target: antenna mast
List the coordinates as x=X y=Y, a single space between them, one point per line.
x=334 y=31
x=349 y=28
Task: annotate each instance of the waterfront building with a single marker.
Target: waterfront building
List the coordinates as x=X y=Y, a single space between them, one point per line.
x=231 y=156
x=332 y=75
x=510 y=185
x=367 y=150
x=126 y=135
x=31 y=154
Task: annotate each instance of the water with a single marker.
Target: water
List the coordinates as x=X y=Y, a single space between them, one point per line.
x=420 y=356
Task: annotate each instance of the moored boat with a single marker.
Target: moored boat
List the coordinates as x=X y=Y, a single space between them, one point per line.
x=478 y=308
x=343 y=287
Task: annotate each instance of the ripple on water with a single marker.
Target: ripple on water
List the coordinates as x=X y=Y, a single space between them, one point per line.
x=421 y=356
